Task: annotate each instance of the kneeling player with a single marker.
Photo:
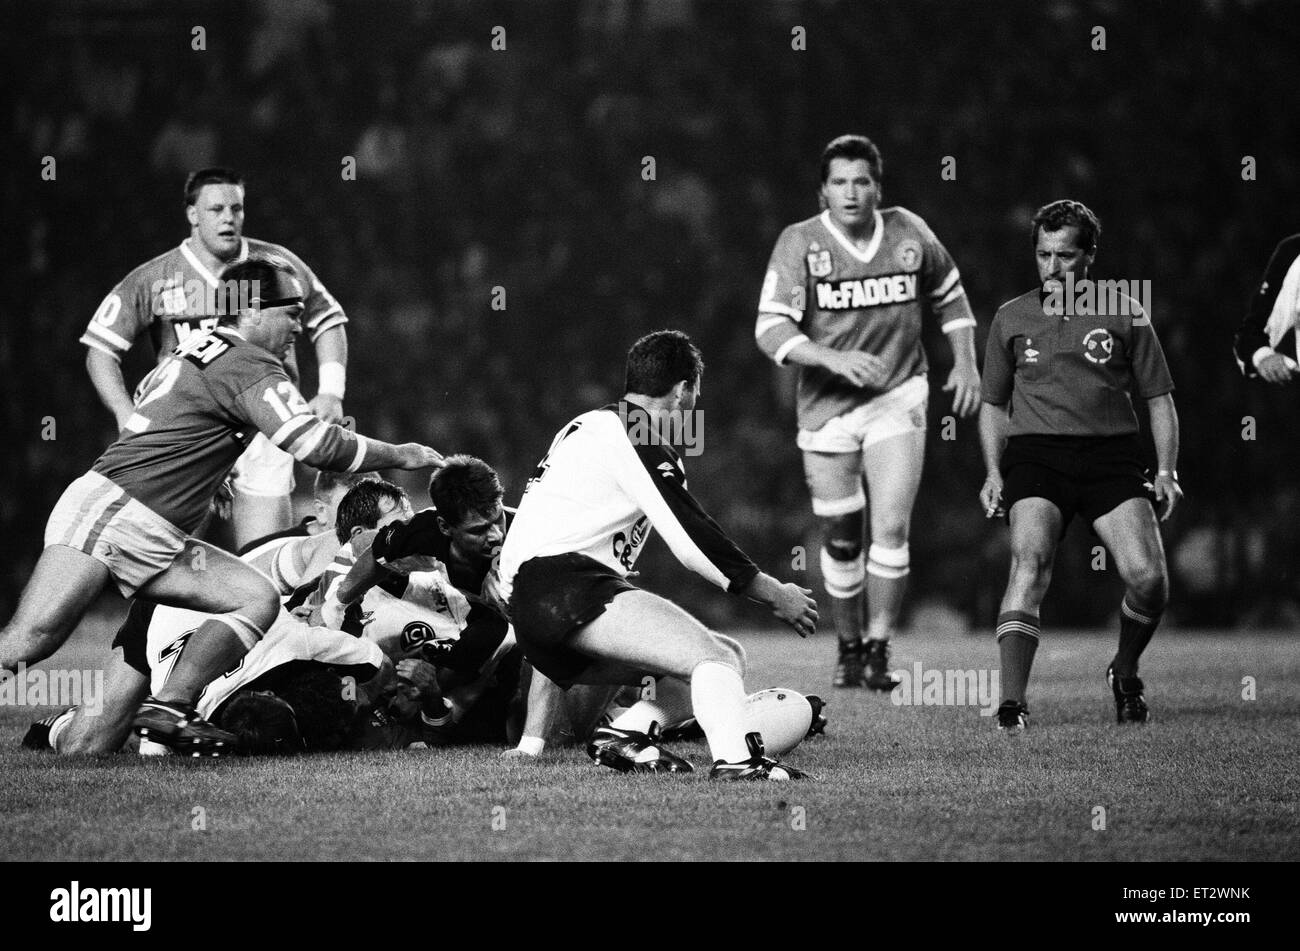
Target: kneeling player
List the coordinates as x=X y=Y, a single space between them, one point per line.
x=610 y=475
x=1059 y=436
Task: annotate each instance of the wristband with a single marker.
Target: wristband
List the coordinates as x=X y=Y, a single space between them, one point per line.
x=1172 y=473
x=333 y=379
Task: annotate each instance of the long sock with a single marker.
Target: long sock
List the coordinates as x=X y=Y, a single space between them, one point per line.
x=718 y=699
x=885 y=601
x=670 y=706
x=1017 y=641
x=214 y=648
x=846 y=615
x=1136 y=627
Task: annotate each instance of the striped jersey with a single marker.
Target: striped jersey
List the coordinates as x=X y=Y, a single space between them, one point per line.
x=821 y=287
x=600 y=490
x=196 y=412
x=175 y=295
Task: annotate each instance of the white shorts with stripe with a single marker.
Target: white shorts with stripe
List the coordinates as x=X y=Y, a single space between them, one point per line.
x=264 y=469
x=901 y=410
x=99 y=519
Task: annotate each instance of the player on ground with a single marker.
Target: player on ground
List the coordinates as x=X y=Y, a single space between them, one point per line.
x=1269 y=326
x=1059 y=436
x=130 y=518
x=609 y=477
x=845 y=298
x=175 y=295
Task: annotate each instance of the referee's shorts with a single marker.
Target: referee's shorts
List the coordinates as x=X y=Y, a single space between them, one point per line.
x=1081 y=475
x=552 y=598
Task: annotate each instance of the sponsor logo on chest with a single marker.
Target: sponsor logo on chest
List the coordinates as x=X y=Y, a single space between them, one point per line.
x=866 y=292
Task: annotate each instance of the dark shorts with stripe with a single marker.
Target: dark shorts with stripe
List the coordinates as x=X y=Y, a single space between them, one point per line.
x=552 y=598
x=1087 y=476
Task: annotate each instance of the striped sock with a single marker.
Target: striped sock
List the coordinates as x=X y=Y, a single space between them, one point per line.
x=1136 y=627
x=1017 y=637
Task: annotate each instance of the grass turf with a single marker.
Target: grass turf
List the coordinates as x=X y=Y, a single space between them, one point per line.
x=1212 y=778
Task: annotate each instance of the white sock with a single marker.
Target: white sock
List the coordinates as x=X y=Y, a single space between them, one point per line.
x=718 y=696
x=670 y=706
x=58 y=726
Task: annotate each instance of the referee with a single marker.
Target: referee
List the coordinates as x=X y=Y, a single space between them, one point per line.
x=1059 y=436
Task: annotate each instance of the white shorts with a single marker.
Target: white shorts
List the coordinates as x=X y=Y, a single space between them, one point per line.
x=264 y=469
x=901 y=410
x=96 y=517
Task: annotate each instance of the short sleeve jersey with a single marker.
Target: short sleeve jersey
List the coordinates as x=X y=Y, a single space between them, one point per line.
x=821 y=287
x=196 y=413
x=1072 y=375
x=175 y=295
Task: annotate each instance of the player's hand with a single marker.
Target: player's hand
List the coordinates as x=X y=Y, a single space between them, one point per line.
x=795 y=606
x=418 y=456
x=418 y=673
x=991 y=496
x=964 y=385
x=860 y=369
x=327 y=406
x=224 y=500
x=1278 y=369
x=1167 y=491
x=303 y=612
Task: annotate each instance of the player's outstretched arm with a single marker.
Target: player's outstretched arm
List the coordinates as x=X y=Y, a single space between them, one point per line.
x=789 y=602
x=332 y=361
x=1164 y=433
x=994 y=422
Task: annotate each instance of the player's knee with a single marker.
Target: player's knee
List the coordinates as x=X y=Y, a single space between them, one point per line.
x=889 y=561
x=1031 y=564
x=263 y=607
x=1150 y=586
x=736 y=650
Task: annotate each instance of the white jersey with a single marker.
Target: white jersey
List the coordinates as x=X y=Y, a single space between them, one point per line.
x=601 y=488
x=418 y=607
x=287 y=641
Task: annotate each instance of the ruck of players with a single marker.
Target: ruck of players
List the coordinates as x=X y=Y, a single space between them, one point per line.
x=514 y=616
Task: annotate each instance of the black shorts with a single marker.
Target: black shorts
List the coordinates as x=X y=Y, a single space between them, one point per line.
x=133 y=635
x=552 y=598
x=1084 y=475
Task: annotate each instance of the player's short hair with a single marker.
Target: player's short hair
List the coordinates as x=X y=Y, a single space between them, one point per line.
x=327 y=482
x=660 y=360
x=1064 y=214
x=271 y=275
x=465 y=485
x=265 y=724
x=853 y=147
x=215 y=175
x=360 y=507
x=324 y=713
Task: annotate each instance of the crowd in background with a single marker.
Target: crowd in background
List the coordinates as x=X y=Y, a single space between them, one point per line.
x=525 y=169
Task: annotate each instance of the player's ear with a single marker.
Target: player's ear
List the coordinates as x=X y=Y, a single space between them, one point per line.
x=192 y=215
x=443 y=526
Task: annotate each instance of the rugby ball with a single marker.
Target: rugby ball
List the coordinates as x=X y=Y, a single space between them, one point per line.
x=781 y=715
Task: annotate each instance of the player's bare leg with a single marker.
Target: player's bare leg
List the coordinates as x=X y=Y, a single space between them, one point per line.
x=1131 y=533
x=893 y=470
x=838 y=500
x=256 y=516
x=642 y=632
x=63 y=586
x=205 y=578
x=105 y=730
x=1035 y=529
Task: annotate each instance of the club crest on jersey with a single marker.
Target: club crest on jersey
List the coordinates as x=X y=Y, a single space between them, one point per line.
x=415 y=634
x=1098 y=345
x=908 y=254
x=866 y=292
x=819 y=261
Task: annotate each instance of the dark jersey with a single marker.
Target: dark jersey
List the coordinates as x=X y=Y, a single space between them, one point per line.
x=599 y=492
x=407 y=546
x=196 y=413
x=1072 y=376
x=1252 y=336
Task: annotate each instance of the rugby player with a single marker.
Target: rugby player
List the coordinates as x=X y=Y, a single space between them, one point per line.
x=150 y=639
x=609 y=477
x=130 y=518
x=844 y=299
x=1059 y=436
x=175 y=294
x=1271 y=319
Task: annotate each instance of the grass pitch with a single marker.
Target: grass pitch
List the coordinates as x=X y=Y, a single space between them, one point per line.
x=1212 y=778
